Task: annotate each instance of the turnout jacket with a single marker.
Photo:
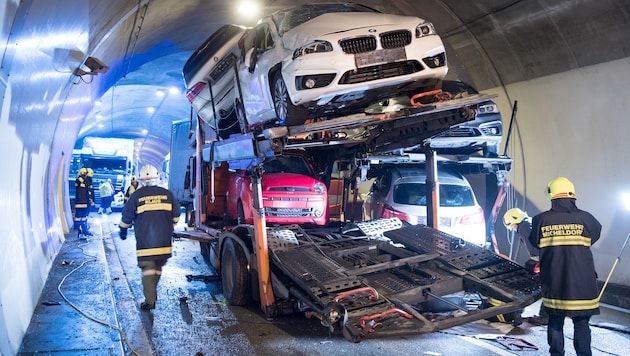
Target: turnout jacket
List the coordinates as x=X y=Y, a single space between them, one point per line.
x=153 y=211
x=564 y=235
x=82 y=196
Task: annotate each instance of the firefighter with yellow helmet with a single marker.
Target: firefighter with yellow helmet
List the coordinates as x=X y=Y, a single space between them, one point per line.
x=153 y=211
x=132 y=188
x=82 y=204
x=564 y=235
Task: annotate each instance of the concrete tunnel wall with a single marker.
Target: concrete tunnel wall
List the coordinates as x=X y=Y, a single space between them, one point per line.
x=572 y=124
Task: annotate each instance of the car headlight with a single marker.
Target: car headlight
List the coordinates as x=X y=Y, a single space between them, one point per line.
x=425 y=29
x=487 y=109
x=313 y=47
x=319 y=188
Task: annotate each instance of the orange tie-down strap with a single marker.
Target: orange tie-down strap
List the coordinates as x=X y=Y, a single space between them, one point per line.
x=372 y=296
x=370 y=319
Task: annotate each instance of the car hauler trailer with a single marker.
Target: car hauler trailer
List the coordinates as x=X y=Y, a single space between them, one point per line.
x=365 y=279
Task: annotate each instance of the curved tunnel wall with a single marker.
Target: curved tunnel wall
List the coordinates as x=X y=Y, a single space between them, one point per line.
x=571 y=123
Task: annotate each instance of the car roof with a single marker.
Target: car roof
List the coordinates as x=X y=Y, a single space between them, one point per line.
x=418 y=172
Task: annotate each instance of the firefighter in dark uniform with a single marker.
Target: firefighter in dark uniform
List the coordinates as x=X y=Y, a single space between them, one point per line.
x=131 y=189
x=153 y=211
x=82 y=204
x=564 y=235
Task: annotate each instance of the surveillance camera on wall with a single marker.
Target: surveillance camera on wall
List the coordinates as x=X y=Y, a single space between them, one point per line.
x=95 y=65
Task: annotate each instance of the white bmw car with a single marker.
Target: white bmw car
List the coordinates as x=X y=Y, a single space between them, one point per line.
x=329 y=60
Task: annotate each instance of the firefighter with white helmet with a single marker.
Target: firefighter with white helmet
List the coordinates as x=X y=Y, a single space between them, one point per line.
x=564 y=235
x=153 y=211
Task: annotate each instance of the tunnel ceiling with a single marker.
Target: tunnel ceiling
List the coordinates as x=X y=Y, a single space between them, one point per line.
x=489 y=43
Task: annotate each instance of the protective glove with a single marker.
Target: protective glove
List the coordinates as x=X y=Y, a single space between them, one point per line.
x=513 y=217
x=123 y=233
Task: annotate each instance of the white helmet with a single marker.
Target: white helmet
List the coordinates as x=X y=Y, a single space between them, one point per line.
x=148 y=172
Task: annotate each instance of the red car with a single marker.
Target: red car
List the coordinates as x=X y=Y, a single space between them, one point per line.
x=291 y=193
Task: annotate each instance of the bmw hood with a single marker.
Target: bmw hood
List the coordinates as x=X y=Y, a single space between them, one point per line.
x=327 y=24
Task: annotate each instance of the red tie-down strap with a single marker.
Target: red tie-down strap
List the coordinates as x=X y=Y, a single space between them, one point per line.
x=430 y=97
x=373 y=293
x=373 y=324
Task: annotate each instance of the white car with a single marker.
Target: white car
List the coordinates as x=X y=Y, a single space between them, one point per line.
x=400 y=191
x=329 y=60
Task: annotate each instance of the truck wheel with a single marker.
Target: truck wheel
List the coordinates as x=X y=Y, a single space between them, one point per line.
x=190 y=215
x=241 y=213
x=235 y=276
x=287 y=113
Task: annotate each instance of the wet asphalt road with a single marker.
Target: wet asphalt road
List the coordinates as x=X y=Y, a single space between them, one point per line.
x=192 y=318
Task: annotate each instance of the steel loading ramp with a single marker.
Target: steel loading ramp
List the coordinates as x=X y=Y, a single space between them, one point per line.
x=398 y=283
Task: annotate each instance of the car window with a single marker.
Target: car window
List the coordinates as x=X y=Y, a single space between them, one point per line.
x=287 y=20
x=450 y=195
x=288 y=164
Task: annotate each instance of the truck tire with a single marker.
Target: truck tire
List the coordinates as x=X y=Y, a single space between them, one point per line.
x=235 y=277
x=287 y=113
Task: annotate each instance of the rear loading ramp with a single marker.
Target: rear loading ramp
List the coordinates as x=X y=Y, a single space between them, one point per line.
x=380 y=286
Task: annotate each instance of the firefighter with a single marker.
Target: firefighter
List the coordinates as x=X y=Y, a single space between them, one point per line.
x=153 y=211
x=82 y=204
x=564 y=235
x=132 y=188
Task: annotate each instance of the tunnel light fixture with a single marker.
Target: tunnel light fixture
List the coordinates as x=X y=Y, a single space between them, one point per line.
x=625 y=198
x=160 y=93
x=173 y=91
x=145 y=131
x=151 y=109
x=248 y=9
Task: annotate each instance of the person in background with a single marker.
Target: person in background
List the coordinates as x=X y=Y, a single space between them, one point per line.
x=82 y=205
x=107 y=195
x=153 y=211
x=132 y=188
x=564 y=235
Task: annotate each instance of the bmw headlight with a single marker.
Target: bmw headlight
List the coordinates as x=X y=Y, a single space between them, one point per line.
x=425 y=29
x=313 y=47
x=319 y=188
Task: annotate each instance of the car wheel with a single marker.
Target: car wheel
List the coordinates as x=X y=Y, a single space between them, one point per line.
x=241 y=213
x=287 y=113
x=235 y=277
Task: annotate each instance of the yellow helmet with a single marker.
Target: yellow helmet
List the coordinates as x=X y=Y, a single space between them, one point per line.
x=514 y=216
x=82 y=171
x=90 y=172
x=560 y=187
x=134 y=180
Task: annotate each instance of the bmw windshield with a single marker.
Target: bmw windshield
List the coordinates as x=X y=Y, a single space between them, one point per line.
x=288 y=19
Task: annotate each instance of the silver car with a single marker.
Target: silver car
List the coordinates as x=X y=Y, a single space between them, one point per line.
x=400 y=191
x=483 y=133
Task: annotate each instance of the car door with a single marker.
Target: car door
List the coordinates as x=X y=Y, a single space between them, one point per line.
x=253 y=74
